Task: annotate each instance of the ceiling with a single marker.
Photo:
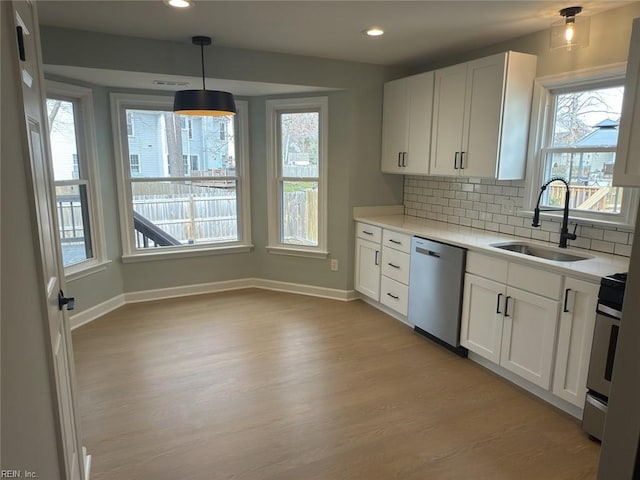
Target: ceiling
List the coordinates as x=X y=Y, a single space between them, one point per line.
x=416 y=31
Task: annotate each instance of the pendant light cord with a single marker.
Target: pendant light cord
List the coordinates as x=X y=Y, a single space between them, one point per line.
x=202 y=62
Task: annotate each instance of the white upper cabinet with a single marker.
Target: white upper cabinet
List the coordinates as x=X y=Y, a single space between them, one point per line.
x=626 y=171
x=481 y=113
x=406 y=124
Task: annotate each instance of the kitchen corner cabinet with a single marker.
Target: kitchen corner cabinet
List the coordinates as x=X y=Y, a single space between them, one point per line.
x=626 y=171
x=406 y=124
x=368 y=257
x=481 y=113
x=575 y=335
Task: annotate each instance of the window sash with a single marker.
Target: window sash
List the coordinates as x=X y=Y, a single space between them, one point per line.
x=86 y=155
x=120 y=103
x=275 y=110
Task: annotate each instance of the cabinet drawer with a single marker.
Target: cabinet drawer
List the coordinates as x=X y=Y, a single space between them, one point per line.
x=398 y=241
x=395 y=265
x=368 y=232
x=394 y=295
x=487 y=267
x=533 y=280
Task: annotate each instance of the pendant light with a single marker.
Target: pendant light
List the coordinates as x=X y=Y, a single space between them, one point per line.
x=213 y=103
x=570 y=32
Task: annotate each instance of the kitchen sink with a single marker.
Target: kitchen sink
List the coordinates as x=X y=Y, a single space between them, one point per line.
x=540 y=252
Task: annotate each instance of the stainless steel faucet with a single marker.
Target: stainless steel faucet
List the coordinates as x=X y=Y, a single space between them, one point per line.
x=564 y=229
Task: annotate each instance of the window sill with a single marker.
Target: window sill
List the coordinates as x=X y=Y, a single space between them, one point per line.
x=573 y=219
x=297 y=252
x=85 y=269
x=199 y=252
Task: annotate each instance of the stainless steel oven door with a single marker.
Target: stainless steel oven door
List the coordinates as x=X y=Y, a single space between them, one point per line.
x=603 y=350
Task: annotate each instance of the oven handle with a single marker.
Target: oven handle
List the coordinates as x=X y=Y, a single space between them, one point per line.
x=608 y=311
x=596 y=403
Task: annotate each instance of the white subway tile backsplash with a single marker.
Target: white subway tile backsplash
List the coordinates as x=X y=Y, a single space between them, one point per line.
x=591 y=232
x=601 y=246
x=540 y=235
x=620 y=249
x=495 y=205
x=616 y=237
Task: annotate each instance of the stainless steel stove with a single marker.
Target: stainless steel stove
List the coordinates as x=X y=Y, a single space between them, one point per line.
x=603 y=351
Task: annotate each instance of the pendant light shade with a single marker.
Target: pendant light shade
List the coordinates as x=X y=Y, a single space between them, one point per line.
x=203 y=102
x=571 y=32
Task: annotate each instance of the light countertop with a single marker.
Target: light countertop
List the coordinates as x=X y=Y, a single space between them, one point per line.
x=473 y=239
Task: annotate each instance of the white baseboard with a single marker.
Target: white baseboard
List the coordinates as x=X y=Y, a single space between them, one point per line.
x=97 y=311
x=188 y=290
x=299 y=288
x=90 y=314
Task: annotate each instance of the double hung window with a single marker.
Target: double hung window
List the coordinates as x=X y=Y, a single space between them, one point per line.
x=184 y=186
x=71 y=133
x=578 y=135
x=297 y=146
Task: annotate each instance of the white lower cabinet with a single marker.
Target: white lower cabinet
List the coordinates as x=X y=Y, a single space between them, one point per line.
x=528 y=336
x=511 y=316
x=482 y=318
x=367 y=268
x=575 y=335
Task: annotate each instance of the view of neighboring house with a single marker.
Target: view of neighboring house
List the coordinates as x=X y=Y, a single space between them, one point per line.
x=205 y=146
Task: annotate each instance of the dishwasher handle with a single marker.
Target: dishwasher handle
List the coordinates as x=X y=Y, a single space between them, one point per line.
x=431 y=253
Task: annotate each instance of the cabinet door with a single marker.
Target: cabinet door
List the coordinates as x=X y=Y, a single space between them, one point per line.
x=416 y=159
x=367 y=271
x=529 y=335
x=575 y=335
x=482 y=310
x=448 y=117
x=626 y=171
x=483 y=116
x=395 y=124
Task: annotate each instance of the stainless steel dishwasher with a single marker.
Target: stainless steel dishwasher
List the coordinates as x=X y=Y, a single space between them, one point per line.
x=436 y=280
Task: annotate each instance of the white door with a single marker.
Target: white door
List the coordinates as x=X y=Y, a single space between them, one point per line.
x=395 y=125
x=448 y=117
x=483 y=120
x=62 y=358
x=575 y=335
x=367 y=279
x=529 y=335
x=482 y=316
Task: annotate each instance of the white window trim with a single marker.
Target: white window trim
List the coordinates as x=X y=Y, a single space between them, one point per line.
x=86 y=139
x=122 y=101
x=272 y=108
x=541 y=120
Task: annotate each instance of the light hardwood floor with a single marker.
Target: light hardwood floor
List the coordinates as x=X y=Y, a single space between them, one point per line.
x=258 y=385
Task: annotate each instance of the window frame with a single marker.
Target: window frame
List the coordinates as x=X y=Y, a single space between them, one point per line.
x=274 y=107
x=120 y=102
x=86 y=146
x=541 y=126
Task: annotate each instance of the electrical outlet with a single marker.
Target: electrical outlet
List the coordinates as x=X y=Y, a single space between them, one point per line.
x=334 y=264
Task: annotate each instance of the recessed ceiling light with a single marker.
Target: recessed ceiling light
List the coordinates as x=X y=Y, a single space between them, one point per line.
x=374 y=31
x=179 y=3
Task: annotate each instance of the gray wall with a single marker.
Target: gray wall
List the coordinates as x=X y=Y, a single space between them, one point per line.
x=28 y=436
x=610 y=32
x=355 y=112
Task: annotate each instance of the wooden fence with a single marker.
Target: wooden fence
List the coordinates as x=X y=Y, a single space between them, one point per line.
x=196 y=213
